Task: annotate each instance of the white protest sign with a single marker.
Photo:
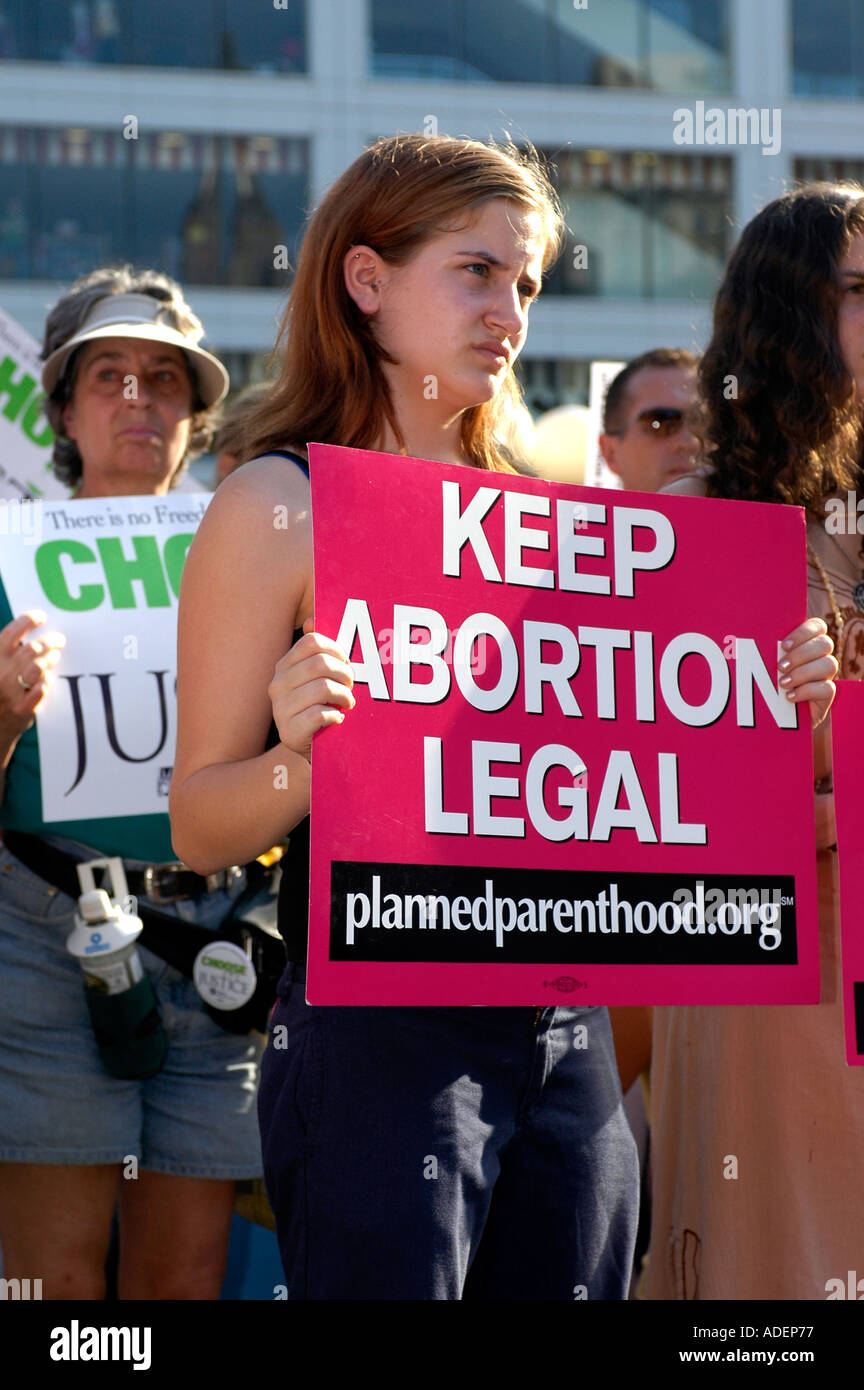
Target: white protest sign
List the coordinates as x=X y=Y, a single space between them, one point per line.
x=26 y=438
x=106 y=571
x=597 y=473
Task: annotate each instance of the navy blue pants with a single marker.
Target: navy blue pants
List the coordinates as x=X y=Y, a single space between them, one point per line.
x=446 y=1153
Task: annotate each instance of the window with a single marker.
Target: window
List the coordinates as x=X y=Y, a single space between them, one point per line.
x=160 y=33
x=821 y=170
x=672 y=45
x=208 y=209
x=828 y=48
x=550 y=382
x=642 y=224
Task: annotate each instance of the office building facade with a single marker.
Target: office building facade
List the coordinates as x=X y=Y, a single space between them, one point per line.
x=195 y=136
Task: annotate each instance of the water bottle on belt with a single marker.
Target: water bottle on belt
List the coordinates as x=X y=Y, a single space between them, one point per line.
x=120 y=997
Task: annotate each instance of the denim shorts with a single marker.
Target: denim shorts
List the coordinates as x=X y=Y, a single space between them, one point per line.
x=196 y=1118
x=446 y=1153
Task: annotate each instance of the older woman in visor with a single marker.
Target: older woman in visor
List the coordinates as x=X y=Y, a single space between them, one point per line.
x=131 y=395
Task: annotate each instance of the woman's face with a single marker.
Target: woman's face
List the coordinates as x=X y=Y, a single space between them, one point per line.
x=850 y=318
x=130 y=416
x=455 y=317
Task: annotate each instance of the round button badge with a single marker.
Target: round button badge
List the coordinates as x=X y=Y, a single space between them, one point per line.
x=224 y=975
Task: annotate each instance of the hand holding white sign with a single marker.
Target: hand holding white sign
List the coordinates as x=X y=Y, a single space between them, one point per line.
x=24 y=673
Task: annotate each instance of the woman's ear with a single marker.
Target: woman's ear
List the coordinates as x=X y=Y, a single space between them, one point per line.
x=362 y=268
x=67 y=418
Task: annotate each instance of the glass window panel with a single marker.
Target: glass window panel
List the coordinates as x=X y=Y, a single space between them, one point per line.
x=220 y=222
x=260 y=38
x=244 y=368
x=509 y=43
x=688 y=247
x=179 y=226
x=828 y=48
x=601 y=46
x=549 y=382
x=158 y=33
x=612 y=226
x=16 y=225
x=85 y=31
x=820 y=169
x=687 y=45
x=206 y=209
x=670 y=44
x=266 y=210
x=417 y=41
x=651 y=225
x=17 y=29
x=80 y=222
x=177 y=34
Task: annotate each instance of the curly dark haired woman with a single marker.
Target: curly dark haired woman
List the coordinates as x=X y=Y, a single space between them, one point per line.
x=782 y=384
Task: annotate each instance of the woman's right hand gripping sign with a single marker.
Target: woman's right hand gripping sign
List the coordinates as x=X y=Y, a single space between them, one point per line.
x=310 y=690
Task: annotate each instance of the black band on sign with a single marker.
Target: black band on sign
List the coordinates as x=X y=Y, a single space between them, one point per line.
x=469 y=915
x=858 y=998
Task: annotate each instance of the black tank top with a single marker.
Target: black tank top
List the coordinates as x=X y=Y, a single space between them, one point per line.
x=293 y=907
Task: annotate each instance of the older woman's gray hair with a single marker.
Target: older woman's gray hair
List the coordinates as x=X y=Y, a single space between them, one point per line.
x=67 y=317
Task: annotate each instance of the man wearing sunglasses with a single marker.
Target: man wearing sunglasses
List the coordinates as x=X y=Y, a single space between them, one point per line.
x=647 y=438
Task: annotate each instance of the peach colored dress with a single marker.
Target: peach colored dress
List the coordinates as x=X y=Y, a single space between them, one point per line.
x=764 y=1092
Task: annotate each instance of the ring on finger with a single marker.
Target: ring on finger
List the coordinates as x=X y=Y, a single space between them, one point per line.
x=23 y=684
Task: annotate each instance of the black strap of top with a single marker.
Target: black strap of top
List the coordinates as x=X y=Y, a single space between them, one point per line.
x=293 y=905
x=295 y=458
x=293 y=902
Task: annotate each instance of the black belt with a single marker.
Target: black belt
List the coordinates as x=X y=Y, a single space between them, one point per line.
x=161 y=883
x=173 y=940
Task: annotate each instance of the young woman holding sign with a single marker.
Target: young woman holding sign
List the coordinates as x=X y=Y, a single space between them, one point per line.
x=757 y=1121
x=410 y=1153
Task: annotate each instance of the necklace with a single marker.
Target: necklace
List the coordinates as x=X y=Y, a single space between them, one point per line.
x=858 y=591
x=835 y=607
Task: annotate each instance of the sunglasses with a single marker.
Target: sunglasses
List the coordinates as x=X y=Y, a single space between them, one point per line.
x=658 y=422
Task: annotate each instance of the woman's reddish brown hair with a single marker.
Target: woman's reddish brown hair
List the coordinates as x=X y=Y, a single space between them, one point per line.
x=396 y=196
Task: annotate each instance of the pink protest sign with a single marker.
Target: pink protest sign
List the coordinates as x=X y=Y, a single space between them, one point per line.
x=570 y=774
x=847 y=739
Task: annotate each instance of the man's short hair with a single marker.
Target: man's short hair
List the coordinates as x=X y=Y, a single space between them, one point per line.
x=615 y=404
